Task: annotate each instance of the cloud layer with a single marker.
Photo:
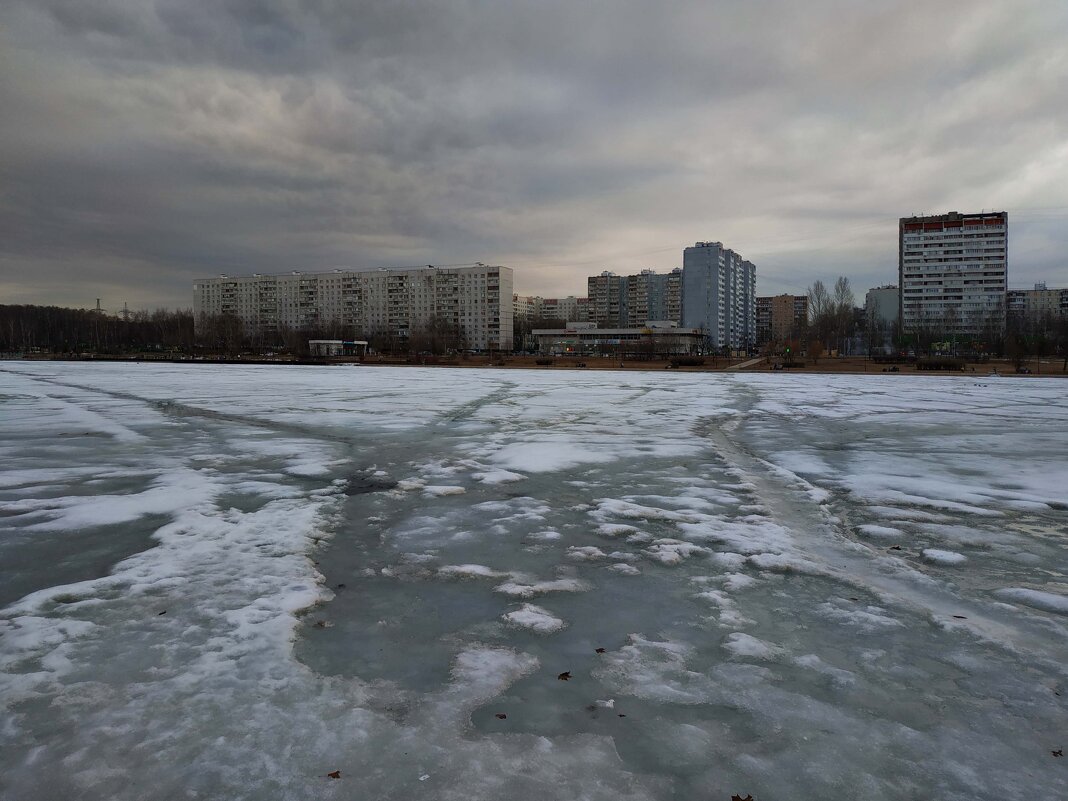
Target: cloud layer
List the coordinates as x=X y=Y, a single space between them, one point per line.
x=143 y=144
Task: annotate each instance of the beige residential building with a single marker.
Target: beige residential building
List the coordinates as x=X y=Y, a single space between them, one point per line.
x=1037 y=303
x=570 y=309
x=780 y=317
x=530 y=308
x=477 y=300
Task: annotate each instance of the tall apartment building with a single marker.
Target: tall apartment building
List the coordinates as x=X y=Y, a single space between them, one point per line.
x=607 y=294
x=638 y=288
x=618 y=301
x=666 y=304
x=719 y=295
x=477 y=300
x=780 y=317
x=652 y=296
x=953 y=271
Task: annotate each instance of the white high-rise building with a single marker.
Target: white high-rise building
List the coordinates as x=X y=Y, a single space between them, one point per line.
x=719 y=295
x=953 y=271
x=477 y=300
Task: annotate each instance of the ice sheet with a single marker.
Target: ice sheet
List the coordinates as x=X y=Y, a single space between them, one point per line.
x=563 y=585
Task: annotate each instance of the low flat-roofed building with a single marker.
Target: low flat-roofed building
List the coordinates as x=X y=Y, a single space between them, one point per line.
x=655 y=339
x=337 y=347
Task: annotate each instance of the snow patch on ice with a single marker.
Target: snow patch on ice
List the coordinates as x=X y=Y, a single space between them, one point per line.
x=481 y=672
x=528 y=588
x=886 y=532
x=781 y=563
x=615 y=529
x=613 y=507
x=471 y=572
x=895 y=513
x=312 y=468
x=1046 y=601
x=940 y=557
x=547 y=457
x=733 y=582
x=746 y=646
x=171 y=492
x=866 y=620
x=729 y=615
x=731 y=561
x=655 y=671
x=548 y=535
x=803 y=462
x=439 y=491
x=585 y=553
x=535 y=618
x=838 y=676
x=497 y=476
x=816 y=494
x=672 y=552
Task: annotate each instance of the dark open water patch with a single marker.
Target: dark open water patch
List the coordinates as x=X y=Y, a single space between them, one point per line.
x=361 y=484
x=35 y=560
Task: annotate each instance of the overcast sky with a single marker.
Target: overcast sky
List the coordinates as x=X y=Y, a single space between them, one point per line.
x=144 y=144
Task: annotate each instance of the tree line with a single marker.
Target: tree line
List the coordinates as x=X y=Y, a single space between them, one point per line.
x=227 y=334
x=832 y=316
x=60 y=331
x=1041 y=335
x=53 y=329
x=835 y=323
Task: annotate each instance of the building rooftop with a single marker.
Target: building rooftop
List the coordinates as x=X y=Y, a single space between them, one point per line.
x=335 y=270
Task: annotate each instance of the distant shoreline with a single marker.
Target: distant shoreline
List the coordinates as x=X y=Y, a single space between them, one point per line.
x=825 y=366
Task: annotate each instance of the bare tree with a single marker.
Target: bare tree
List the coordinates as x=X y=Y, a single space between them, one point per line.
x=437 y=336
x=831 y=317
x=844 y=313
x=819 y=301
x=58 y=330
x=1060 y=337
x=843 y=295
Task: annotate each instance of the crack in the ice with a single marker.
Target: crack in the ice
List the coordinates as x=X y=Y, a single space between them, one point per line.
x=183 y=410
x=468 y=410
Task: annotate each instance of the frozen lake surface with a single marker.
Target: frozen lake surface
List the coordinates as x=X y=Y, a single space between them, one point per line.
x=229 y=582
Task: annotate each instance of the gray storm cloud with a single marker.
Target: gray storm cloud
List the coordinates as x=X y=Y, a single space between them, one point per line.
x=144 y=144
